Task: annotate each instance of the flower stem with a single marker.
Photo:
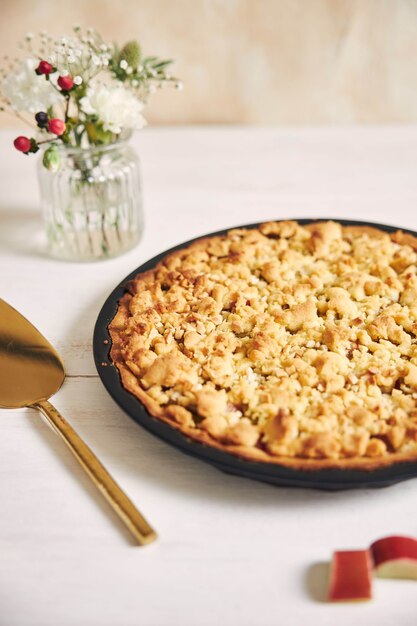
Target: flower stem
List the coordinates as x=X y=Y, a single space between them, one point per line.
x=46 y=141
x=67 y=107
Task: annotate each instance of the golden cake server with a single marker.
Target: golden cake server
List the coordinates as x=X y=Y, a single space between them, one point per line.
x=31 y=371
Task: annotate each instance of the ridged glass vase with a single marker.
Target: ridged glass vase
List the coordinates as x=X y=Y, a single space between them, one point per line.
x=92 y=205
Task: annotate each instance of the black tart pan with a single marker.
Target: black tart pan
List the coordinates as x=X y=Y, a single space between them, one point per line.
x=328 y=479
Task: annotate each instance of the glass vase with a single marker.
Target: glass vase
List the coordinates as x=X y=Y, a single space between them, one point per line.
x=92 y=204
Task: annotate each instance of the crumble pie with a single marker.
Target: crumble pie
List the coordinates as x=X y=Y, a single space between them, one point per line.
x=290 y=344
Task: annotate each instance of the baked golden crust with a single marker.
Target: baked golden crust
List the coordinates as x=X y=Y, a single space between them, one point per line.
x=287 y=344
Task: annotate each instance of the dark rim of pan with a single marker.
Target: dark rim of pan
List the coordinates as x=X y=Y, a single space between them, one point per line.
x=267 y=472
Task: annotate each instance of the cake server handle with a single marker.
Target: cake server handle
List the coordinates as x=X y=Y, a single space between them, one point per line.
x=118 y=500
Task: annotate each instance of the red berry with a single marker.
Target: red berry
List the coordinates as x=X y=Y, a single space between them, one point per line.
x=44 y=68
x=56 y=126
x=22 y=144
x=66 y=83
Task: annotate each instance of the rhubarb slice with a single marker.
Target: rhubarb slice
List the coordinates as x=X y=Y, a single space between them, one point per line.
x=395 y=557
x=350 y=576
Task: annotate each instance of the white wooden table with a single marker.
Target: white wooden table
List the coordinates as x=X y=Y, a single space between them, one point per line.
x=231 y=551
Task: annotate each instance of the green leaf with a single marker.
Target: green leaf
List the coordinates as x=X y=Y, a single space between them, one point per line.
x=97 y=135
x=148 y=60
x=159 y=67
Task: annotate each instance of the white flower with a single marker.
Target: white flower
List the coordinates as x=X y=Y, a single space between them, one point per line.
x=78 y=80
x=123 y=64
x=117 y=108
x=26 y=91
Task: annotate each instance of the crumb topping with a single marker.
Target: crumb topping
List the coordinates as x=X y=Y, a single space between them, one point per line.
x=297 y=341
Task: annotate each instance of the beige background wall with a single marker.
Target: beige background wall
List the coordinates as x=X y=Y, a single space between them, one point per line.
x=256 y=61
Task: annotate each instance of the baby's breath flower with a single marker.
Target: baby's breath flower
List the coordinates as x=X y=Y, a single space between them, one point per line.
x=123 y=64
x=26 y=91
x=77 y=80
